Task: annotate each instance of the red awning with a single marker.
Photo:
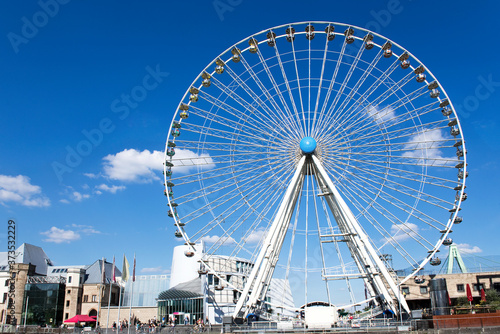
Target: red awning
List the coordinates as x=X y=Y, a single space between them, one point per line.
x=469 y=293
x=80 y=318
x=483 y=295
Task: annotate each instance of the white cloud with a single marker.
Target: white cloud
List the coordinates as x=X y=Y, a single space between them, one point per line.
x=58 y=235
x=216 y=240
x=423 y=145
x=256 y=236
x=86 y=229
x=158 y=269
x=135 y=166
x=402 y=232
x=186 y=161
x=65 y=201
x=381 y=115
x=18 y=189
x=112 y=189
x=468 y=249
x=91 y=175
x=78 y=197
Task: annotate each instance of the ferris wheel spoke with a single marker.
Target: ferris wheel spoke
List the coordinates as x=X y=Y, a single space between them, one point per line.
x=217 y=184
x=407 y=132
x=252 y=108
x=392 y=121
x=254 y=120
x=285 y=115
x=246 y=183
x=320 y=85
x=388 y=214
x=274 y=115
x=296 y=113
x=299 y=89
x=383 y=78
x=325 y=115
x=406 y=174
x=374 y=222
x=403 y=206
x=223 y=185
x=358 y=85
x=372 y=107
x=343 y=86
x=247 y=127
x=400 y=187
x=263 y=194
x=387 y=116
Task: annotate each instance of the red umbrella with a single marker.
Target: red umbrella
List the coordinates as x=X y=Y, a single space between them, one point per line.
x=483 y=295
x=469 y=293
x=80 y=318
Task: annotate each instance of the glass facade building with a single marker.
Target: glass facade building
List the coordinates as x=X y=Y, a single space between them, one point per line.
x=45 y=303
x=146 y=290
x=179 y=308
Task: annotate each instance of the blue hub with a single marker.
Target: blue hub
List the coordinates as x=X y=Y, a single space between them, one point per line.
x=308 y=145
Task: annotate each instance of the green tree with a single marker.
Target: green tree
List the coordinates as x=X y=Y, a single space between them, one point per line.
x=462 y=301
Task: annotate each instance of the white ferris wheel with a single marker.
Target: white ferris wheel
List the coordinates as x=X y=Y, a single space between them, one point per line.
x=326 y=155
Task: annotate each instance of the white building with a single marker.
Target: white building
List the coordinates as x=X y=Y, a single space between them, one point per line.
x=212 y=292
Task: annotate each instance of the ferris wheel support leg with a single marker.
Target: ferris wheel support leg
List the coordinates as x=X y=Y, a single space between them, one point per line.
x=269 y=253
x=363 y=247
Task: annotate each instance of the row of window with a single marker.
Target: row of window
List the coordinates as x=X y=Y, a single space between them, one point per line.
x=460 y=288
x=406 y=290
x=475 y=287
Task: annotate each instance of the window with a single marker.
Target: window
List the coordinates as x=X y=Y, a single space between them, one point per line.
x=4 y=297
x=210 y=279
x=66 y=316
x=460 y=288
x=478 y=287
x=405 y=290
x=228 y=278
x=69 y=279
x=216 y=280
x=423 y=289
x=69 y=291
x=86 y=298
x=67 y=303
x=6 y=282
x=94 y=298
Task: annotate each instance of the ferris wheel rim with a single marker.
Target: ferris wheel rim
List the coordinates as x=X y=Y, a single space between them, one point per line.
x=450 y=222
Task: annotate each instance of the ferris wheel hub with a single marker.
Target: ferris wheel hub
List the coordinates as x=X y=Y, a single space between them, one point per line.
x=308 y=145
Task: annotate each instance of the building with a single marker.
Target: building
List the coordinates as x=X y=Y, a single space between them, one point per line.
x=197 y=292
x=417 y=291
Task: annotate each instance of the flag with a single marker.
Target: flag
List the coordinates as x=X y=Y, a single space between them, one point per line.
x=103 y=271
x=125 y=271
x=113 y=271
x=133 y=271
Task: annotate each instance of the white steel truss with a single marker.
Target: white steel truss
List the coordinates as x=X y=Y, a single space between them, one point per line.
x=379 y=281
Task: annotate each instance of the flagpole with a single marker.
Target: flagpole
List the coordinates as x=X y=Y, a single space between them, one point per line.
x=131 y=298
x=125 y=275
x=103 y=275
x=109 y=297
x=119 y=306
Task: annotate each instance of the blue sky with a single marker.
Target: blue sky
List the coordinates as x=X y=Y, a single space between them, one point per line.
x=70 y=70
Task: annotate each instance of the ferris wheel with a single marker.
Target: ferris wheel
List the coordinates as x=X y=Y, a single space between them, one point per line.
x=324 y=154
